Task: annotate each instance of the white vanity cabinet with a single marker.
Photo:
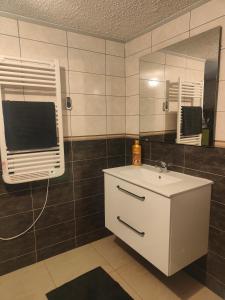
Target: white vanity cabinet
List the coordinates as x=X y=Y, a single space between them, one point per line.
x=170 y=232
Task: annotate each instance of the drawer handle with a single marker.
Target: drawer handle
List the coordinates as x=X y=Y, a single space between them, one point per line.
x=141 y=233
x=142 y=198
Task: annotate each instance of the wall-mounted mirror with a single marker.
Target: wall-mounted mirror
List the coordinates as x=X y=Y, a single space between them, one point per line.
x=178 y=91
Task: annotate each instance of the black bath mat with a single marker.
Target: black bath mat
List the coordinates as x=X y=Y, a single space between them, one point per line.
x=94 y=285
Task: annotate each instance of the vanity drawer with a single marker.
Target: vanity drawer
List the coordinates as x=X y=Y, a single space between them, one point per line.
x=139 y=217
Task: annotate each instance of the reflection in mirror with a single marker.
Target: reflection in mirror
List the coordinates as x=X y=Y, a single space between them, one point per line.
x=178 y=91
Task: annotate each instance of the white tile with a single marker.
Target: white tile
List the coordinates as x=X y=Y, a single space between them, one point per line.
x=43 y=51
x=132 y=65
x=115 y=66
x=152 y=71
x=171 y=29
x=151 y=106
x=207 y=12
x=42 y=33
x=86 y=42
x=152 y=91
x=132 y=105
x=85 y=83
x=88 y=105
x=88 y=125
x=8 y=26
x=115 y=86
x=115 y=105
x=140 y=43
x=86 y=61
x=115 y=48
x=211 y=25
x=170 y=42
x=115 y=124
x=195 y=64
x=175 y=60
x=220 y=128
x=132 y=85
x=9 y=45
x=155 y=57
x=221 y=97
x=132 y=124
x=173 y=73
x=194 y=75
x=158 y=122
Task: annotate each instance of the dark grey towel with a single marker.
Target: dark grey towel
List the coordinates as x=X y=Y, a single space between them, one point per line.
x=192 y=120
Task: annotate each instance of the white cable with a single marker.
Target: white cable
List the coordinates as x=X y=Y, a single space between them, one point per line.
x=25 y=231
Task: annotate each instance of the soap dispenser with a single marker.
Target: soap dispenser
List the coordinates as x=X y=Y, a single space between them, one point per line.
x=136 y=153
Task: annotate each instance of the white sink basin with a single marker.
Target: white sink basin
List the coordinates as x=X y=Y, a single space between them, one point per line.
x=165 y=183
x=150 y=176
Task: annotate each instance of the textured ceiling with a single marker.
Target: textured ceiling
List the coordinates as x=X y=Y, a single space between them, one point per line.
x=113 y=19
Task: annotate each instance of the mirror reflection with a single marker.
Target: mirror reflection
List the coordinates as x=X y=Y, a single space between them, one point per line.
x=178 y=91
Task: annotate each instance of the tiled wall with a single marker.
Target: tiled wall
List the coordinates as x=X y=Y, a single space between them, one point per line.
x=92 y=73
x=203 y=18
x=159 y=68
x=207 y=163
x=75 y=209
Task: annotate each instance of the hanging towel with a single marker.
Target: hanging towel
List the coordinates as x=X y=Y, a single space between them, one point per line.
x=191 y=120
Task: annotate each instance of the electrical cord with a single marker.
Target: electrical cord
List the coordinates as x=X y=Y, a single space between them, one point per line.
x=38 y=217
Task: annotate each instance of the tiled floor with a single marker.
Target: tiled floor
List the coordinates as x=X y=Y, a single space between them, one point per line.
x=139 y=279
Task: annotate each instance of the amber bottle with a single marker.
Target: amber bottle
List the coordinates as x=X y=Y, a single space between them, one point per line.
x=136 y=153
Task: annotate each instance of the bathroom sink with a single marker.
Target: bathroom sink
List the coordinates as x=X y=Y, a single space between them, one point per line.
x=150 y=176
x=167 y=183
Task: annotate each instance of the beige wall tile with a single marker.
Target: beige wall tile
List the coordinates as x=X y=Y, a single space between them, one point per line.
x=207 y=12
x=115 y=124
x=195 y=64
x=86 y=61
x=171 y=29
x=8 y=26
x=152 y=71
x=115 y=48
x=155 y=57
x=132 y=65
x=115 y=66
x=210 y=25
x=86 y=42
x=158 y=122
x=171 y=41
x=115 y=105
x=221 y=97
x=85 y=83
x=88 y=125
x=151 y=107
x=140 y=43
x=132 y=85
x=220 y=128
x=147 y=90
x=115 y=86
x=43 y=51
x=9 y=45
x=132 y=124
x=88 y=104
x=175 y=60
x=66 y=126
x=174 y=73
x=42 y=33
x=132 y=105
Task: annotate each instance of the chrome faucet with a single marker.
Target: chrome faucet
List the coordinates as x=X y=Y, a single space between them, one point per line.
x=162 y=165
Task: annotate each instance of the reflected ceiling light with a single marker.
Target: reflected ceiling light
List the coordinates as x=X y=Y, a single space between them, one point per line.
x=153 y=82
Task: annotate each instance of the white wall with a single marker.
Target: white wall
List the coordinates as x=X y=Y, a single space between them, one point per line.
x=203 y=18
x=92 y=73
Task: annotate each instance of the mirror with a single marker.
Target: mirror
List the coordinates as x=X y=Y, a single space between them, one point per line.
x=178 y=91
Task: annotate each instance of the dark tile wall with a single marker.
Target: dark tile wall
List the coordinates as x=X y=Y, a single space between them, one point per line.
x=207 y=163
x=75 y=209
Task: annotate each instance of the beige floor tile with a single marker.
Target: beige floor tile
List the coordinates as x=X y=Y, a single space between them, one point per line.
x=125 y=286
x=74 y=263
x=32 y=279
x=112 y=252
